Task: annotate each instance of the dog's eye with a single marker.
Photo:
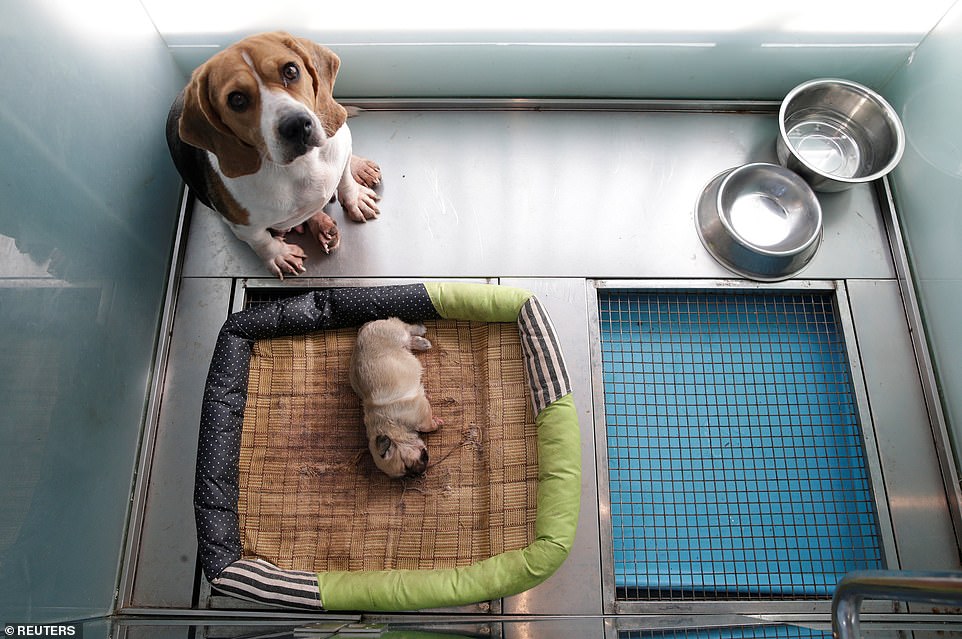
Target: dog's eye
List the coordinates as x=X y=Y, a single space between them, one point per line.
x=290 y=72
x=237 y=101
x=383 y=444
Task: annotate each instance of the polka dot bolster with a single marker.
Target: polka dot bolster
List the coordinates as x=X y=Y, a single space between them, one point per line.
x=216 y=489
x=225 y=395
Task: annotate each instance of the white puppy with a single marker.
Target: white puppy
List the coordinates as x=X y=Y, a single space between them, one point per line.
x=387 y=377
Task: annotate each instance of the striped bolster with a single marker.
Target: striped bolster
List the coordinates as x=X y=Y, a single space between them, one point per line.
x=257 y=580
x=547 y=374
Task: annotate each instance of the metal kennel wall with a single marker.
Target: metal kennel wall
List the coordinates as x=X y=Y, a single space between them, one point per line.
x=737 y=460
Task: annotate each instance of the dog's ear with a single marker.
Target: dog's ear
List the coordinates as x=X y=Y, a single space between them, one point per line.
x=201 y=126
x=322 y=64
x=383 y=445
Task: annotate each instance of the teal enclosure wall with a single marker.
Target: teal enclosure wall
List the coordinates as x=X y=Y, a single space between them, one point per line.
x=88 y=207
x=927 y=93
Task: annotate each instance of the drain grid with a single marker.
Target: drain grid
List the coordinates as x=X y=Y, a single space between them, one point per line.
x=735 y=459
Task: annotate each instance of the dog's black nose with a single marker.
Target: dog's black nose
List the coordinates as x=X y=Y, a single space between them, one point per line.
x=297 y=128
x=417 y=468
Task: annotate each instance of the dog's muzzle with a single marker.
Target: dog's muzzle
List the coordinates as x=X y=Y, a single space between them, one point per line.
x=417 y=469
x=299 y=132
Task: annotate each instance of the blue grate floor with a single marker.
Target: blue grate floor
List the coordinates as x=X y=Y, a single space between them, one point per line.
x=779 y=631
x=735 y=459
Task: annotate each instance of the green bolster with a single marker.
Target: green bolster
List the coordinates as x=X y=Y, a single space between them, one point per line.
x=479 y=302
x=559 y=472
x=559 y=500
x=392 y=590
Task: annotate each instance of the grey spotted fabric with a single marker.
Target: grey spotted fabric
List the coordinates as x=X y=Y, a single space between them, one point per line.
x=225 y=396
x=547 y=376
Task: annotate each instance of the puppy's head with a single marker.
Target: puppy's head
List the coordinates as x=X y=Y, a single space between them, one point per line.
x=269 y=96
x=399 y=455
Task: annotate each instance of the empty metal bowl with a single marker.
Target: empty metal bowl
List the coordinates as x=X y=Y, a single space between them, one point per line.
x=760 y=220
x=838 y=133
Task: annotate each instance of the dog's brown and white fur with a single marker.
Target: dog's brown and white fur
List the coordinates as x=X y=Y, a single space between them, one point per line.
x=258 y=137
x=387 y=377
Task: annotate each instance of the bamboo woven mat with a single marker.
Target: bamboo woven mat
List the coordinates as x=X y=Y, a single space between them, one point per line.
x=311 y=498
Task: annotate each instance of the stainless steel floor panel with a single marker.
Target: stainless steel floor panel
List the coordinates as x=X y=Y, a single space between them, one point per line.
x=913 y=484
x=548 y=194
x=165 y=568
x=576 y=587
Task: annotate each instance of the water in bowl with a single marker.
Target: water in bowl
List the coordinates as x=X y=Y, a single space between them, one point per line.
x=828 y=146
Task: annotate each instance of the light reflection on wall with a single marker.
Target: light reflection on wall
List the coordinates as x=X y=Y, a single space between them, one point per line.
x=747 y=49
x=528 y=20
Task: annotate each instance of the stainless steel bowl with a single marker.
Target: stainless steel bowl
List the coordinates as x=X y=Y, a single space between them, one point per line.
x=837 y=133
x=760 y=220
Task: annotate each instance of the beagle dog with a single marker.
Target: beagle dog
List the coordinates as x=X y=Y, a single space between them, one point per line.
x=257 y=136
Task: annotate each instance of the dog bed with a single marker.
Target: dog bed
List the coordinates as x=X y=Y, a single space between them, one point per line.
x=291 y=510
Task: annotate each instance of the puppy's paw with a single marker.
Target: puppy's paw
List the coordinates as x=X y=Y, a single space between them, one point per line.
x=417 y=329
x=365 y=171
x=286 y=259
x=431 y=425
x=364 y=208
x=419 y=344
x=324 y=229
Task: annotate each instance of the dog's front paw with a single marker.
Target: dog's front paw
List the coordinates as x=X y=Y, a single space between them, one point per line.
x=286 y=259
x=324 y=229
x=419 y=344
x=430 y=425
x=365 y=171
x=364 y=208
